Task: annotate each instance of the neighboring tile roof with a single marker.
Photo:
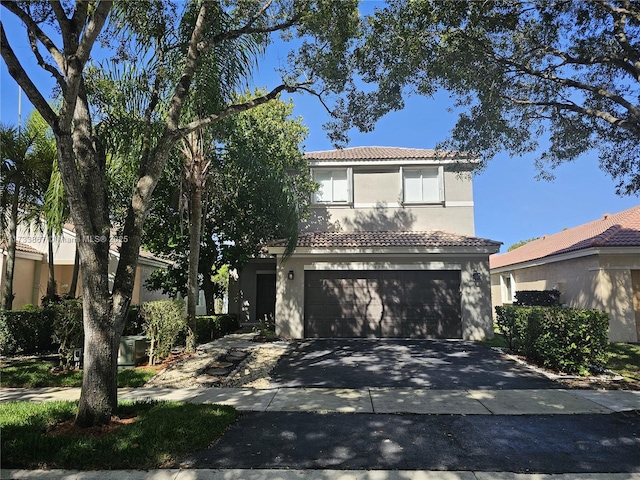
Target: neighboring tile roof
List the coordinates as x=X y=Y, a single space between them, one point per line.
x=379 y=153
x=21 y=247
x=618 y=230
x=432 y=239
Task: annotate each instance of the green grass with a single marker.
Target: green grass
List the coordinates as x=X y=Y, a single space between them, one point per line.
x=497 y=341
x=37 y=373
x=624 y=359
x=162 y=433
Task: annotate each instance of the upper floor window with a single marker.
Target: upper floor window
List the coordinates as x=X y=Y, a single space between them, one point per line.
x=421 y=185
x=334 y=185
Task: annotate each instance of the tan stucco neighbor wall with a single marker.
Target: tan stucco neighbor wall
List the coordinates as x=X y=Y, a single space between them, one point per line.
x=602 y=282
x=476 y=298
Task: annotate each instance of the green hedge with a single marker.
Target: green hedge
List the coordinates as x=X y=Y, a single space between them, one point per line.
x=568 y=340
x=210 y=327
x=55 y=326
x=26 y=331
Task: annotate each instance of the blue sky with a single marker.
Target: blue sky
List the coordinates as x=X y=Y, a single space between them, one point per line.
x=510 y=204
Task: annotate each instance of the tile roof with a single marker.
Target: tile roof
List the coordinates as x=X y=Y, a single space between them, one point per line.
x=379 y=153
x=617 y=230
x=383 y=239
x=21 y=247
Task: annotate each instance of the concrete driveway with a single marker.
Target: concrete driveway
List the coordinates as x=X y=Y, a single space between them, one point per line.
x=400 y=363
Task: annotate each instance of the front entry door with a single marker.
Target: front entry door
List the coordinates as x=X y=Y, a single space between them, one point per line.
x=265 y=296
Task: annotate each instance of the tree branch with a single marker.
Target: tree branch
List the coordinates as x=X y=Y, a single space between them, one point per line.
x=633 y=127
x=18 y=73
x=93 y=29
x=34 y=28
x=64 y=23
x=182 y=88
x=247 y=29
x=55 y=73
x=234 y=109
x=629 y=9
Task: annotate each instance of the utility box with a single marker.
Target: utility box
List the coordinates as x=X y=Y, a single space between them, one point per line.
x=133 y=350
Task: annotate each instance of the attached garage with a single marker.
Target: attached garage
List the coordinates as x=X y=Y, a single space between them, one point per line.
x=384 y=284
x=383 y=304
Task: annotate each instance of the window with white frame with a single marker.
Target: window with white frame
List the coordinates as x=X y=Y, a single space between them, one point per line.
x=334 y=185
x=508 y=285
x=421 y=185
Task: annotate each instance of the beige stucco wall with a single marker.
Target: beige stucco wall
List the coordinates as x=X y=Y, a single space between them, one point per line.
x=377 y=205
x=25 y=286
x=476 y=298
x=602 y=282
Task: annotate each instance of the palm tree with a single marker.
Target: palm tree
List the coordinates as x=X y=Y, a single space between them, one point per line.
x=23 y=170
x=227 y=68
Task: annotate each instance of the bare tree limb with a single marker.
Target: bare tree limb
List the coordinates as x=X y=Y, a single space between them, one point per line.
x=17 y=71
x=93 y=29
x=55 y=73
x=633 y=127
x=234 y=109
x=34 y=28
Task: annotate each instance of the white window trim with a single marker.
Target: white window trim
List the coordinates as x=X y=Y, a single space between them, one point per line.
x=349 y=200
x=503 y=289
x=440 y=174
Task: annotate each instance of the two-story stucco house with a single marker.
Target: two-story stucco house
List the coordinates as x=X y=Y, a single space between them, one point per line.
x=389 y=251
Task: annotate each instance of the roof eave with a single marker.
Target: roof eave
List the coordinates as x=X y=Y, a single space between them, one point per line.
x=560 y=257
x=312 y=251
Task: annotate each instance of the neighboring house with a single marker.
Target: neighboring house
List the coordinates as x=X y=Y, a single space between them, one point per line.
x=31 y=269
x=389 y=251
x=595 y=265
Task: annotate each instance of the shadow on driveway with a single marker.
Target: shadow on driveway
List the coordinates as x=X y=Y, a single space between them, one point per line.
x=432 y=364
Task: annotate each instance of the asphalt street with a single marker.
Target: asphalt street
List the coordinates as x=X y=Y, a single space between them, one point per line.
x=522 y=443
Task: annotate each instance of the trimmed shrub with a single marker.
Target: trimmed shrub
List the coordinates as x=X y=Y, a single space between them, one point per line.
x=26 y=331
x=564 y=339
x=539 y=298
x=68 y=330
x=210 y=327
x=163 y=323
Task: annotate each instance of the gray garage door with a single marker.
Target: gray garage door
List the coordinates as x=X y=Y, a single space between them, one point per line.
x=388 y=304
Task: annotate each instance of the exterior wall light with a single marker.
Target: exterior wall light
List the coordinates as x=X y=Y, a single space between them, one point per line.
x=290 y=275
x=476 y=277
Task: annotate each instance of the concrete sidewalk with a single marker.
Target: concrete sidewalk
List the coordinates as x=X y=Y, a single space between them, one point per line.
x=372 y=400
x=275 y=474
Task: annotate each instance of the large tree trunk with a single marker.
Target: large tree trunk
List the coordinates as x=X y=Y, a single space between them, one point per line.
x=12 y=227
x=99 y=394
x=195 y=229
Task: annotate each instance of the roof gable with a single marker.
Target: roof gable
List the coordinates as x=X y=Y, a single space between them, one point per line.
x=618 y=230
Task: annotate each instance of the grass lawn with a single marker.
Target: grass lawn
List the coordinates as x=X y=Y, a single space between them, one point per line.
x=161 y=433
x=624 y=359
x=37 y=373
